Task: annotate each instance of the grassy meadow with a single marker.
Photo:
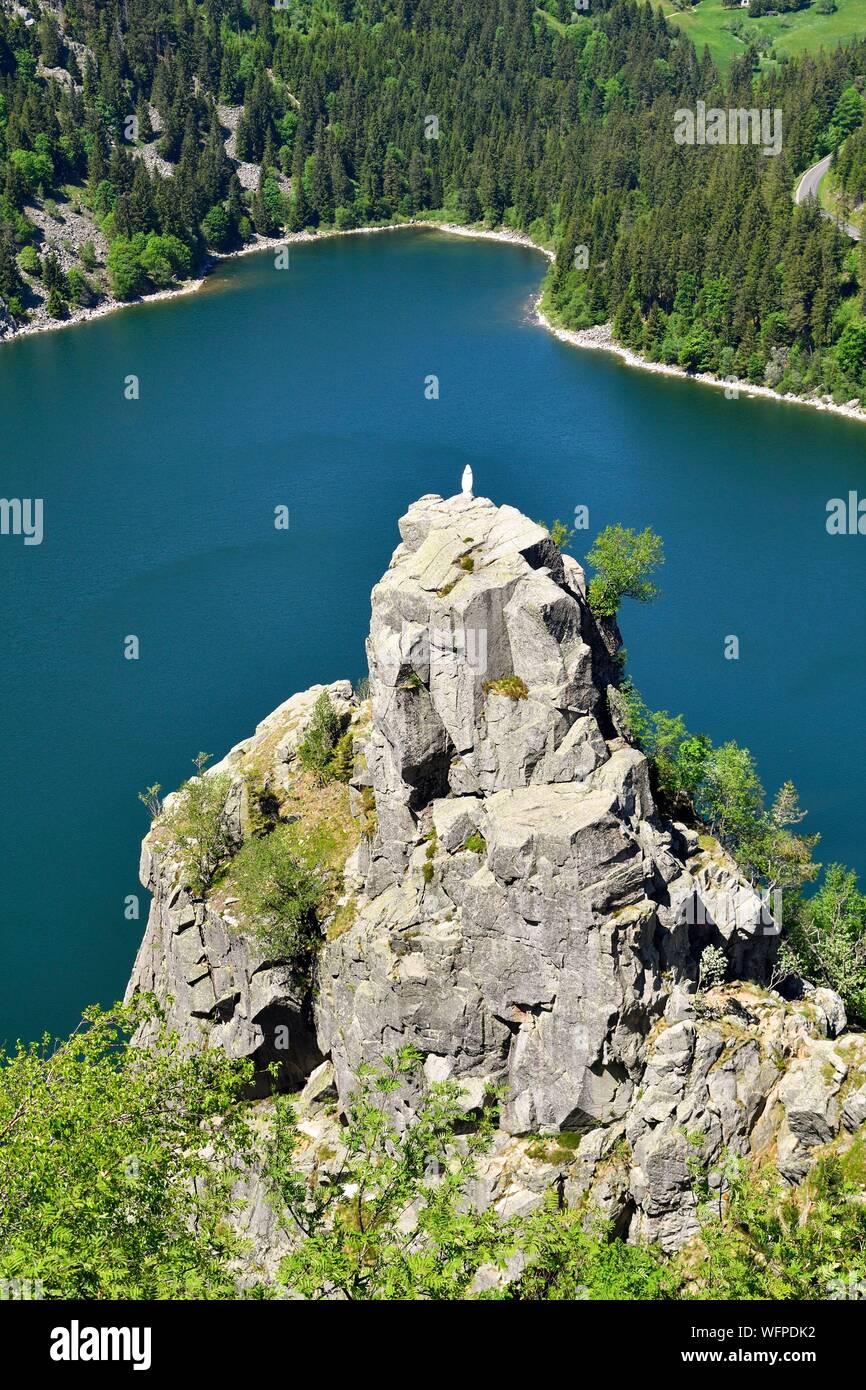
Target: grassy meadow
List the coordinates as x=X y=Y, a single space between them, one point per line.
x=804 y=31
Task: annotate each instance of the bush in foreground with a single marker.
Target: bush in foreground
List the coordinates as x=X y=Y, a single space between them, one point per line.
x=102 y=1147
x=118 y=1170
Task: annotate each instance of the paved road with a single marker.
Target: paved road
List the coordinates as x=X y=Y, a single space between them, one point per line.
x=808 y=187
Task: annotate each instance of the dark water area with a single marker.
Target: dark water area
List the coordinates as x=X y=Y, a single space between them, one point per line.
x=305 y=388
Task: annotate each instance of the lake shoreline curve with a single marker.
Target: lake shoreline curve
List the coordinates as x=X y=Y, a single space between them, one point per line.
x=597 y=338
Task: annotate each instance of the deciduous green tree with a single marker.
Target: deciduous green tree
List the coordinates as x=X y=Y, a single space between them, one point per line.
x=623 y=560
x=114 y=1162
x=393 y=1222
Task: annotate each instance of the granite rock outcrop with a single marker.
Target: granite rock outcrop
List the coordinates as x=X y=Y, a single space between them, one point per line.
x=512 y=903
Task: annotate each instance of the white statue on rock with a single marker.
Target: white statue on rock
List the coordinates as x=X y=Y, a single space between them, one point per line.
x=466 y=481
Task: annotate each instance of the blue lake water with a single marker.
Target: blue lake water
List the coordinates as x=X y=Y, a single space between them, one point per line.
x=305 y=388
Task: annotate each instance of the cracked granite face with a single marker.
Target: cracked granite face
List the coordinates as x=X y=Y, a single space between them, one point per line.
x=535 y=958
x=516 y=907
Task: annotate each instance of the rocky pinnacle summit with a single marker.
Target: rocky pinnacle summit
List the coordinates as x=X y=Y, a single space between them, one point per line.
x=514 y=903
x=542 y=961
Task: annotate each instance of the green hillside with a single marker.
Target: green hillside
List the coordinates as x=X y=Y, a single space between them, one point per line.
x=803 y=31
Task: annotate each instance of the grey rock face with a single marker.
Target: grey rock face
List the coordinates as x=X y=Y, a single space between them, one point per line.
x=809 y=1096
x=854 y=1109
x=517 y=909
x=543 y=961
x=744 y=1075
x=218 y=989
x=831 y=1008
x=217 y=985
x=474 y=594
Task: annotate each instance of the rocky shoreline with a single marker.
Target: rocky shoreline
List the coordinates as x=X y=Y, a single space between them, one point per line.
x=597 y=338
x=258 y=245
x=600 y=338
